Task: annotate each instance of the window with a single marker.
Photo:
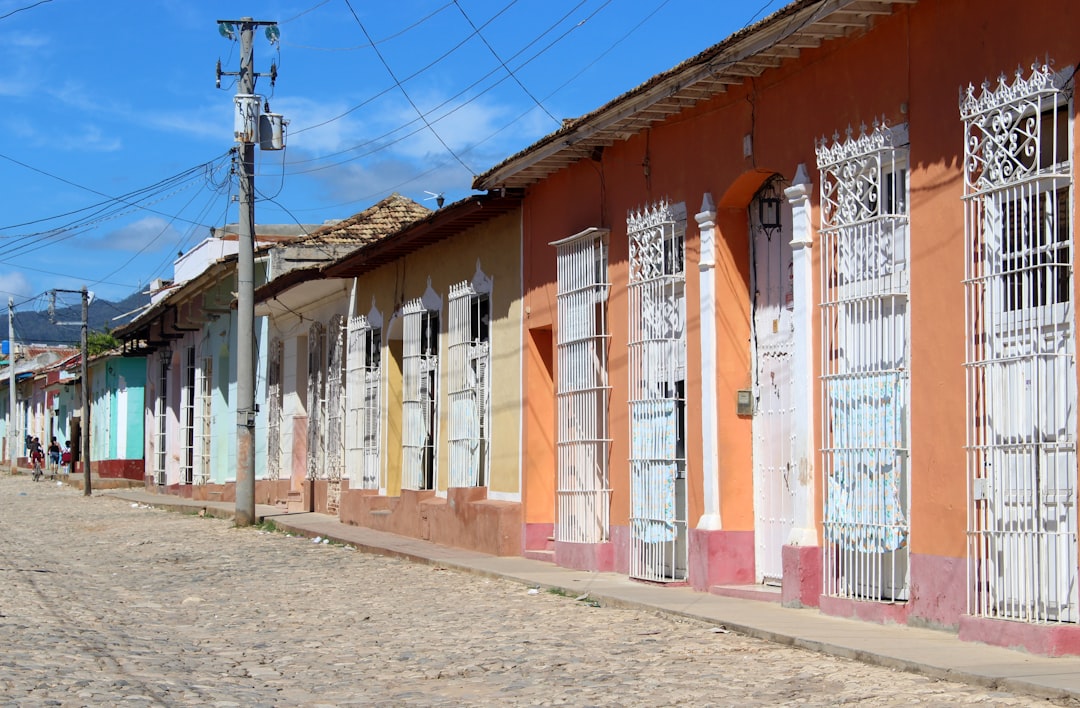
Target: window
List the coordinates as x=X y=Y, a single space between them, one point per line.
x=187 y=419
x=582 y=390
x=657 y=364
x=161 y=415
x=865 y=363
x=363 y=400
x=1021 y=370
x=469 y=381
x=420 y=363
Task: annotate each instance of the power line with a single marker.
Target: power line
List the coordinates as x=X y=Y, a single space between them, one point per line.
x=23 y=9
x=503 y=64
x=404 y=92
x=408 y=78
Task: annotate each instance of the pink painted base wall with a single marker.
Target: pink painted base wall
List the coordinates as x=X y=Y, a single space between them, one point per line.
x=119 y=469
x=1046 y=639
x=937 y=596
x=597 y=557
x=801 y=584
x=538 y=537
x=465 y=518
x=938 y=591
x=720 y=558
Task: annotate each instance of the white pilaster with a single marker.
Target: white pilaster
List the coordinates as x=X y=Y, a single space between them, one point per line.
x=804 y=533
x=706 y=219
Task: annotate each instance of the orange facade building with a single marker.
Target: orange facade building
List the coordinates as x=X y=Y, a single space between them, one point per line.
x=798 y=320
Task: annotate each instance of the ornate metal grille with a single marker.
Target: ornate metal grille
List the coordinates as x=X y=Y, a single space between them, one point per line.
x=583 y=443
x=865 y=363
x=187 y=418
x=161 y=417
x=274 y=401
x=335 y=412
x=363 y=402
x=1021 y=348
x=420 y=364
x=203 y=419
x=657 y=358
x=469 y=351
x=316 y=401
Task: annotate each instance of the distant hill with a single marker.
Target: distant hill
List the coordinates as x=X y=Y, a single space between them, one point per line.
x=36 y=328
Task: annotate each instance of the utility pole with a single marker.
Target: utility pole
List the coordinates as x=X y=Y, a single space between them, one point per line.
x=83 y=370
x=11 y=387
x=84 y=423
x=246 y=128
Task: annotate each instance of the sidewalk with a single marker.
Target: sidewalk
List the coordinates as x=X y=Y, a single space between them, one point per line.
x=931 y=652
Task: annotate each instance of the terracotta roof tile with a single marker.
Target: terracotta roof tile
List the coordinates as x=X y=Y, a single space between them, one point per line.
x=370 y=225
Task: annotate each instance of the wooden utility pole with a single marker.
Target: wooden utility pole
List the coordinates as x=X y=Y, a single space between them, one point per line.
x=83 y=371
x=12 y=437
x=246 y=130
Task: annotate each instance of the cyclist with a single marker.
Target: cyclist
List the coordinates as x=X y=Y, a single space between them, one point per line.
x=37 y=458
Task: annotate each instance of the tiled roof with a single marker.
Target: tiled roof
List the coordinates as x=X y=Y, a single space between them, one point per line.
x=370 y=225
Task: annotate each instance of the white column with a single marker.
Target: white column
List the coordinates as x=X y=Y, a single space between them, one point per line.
x=804 y=533
x=706 y=219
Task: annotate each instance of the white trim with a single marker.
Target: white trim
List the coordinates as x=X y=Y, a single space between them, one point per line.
x=710 y=458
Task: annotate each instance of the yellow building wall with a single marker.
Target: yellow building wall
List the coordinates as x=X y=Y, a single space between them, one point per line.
x=494 y=247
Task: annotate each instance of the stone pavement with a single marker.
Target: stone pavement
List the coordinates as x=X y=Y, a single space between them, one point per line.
x=107 y=601
x=932 y=653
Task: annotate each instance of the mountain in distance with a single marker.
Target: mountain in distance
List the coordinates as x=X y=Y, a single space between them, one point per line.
x=35 y=327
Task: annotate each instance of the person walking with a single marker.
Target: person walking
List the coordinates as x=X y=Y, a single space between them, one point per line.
x=54 y=458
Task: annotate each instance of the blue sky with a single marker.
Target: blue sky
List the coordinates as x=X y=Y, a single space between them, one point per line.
x=114 y=140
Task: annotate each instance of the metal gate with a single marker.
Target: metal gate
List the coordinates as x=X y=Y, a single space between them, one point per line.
x=1021 y=353
x=583 y=495
x=865 y=364
x=657 y=365
x=772 y=329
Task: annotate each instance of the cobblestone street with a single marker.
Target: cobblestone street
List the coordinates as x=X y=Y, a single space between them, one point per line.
x=109 y=603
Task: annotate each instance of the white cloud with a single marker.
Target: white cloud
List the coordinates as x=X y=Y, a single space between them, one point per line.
x=149 y=234
x=15 y=284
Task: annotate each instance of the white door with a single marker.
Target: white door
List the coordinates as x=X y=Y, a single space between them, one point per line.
x=773 y=325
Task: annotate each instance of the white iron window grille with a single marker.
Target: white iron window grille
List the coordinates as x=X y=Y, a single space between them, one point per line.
x=204 y=382
x=187 y=418
x=1021 y=348
x=274 y=395
x=420 y=378
x=469 y=397
x=363 y=402
x=335 y=412
x=657 y=364
x=865 y=363
x=316 y=401
x=161 y=417
x=583 y=442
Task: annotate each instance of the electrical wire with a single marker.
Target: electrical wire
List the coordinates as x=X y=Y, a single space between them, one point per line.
x=406 y=79
x=510 y=71
x=404 y=92
x=23 y=9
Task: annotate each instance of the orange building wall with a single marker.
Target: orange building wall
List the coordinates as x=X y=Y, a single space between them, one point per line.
x=938 y=48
